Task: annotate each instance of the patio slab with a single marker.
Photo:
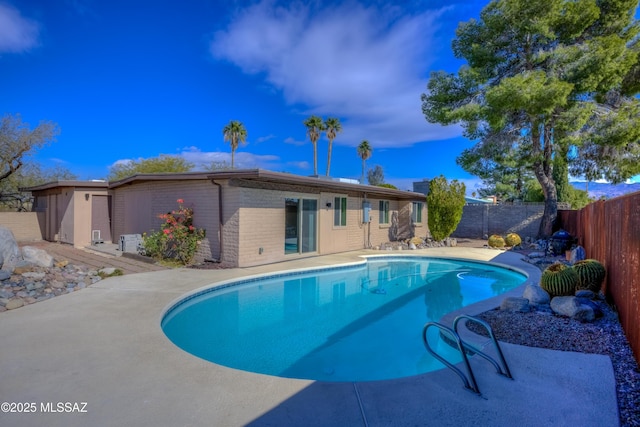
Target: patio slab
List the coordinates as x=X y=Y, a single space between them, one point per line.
x=103 y=346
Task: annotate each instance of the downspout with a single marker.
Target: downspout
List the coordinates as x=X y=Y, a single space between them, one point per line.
x=220 y=224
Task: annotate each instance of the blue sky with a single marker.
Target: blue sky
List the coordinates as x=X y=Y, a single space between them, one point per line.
x=137 y=79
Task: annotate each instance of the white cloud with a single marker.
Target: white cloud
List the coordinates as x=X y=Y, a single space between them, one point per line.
x=204 y=159
x=300 y=165
x=363 y=64
x=17 y=34
x=121 y=162
x=262 y=139
x=293 y=141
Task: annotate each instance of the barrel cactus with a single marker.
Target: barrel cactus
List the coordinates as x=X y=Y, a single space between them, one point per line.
x=496 y=241
x=559 y=280
x=590 y=274
x=512 y=239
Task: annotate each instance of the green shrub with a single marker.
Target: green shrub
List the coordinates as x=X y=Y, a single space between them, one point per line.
x=445 y=202
x=496 y=241
x=590 y=274
x=512 y=239
x=559 y=280
x=178 y=238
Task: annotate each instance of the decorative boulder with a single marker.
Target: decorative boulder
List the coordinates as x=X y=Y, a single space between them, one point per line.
x=536 y=295
x=514 y=304
x=577 y=254
x=9 y=250
x=37 y=257
x=571 y=307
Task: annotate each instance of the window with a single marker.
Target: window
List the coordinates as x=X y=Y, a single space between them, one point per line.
x=384 y=211
x=340 y=212
x=416 y=212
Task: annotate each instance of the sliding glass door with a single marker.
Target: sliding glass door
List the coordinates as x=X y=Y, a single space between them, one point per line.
x=301 y=226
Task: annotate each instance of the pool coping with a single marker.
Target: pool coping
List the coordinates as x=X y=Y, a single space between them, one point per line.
x=104 y=346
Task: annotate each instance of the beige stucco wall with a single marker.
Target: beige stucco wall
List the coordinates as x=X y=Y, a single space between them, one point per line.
x=65 y=214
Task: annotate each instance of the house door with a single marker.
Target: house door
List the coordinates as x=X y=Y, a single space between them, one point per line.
x=301 y=226
x=101 y=217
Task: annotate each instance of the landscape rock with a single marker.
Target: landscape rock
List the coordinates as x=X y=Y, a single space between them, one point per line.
x=597 y=311
x=23 y=268
x=9 y=250
x=33 y=275
x=577 y=254
x=37 y=257
x=14 y=303
x=108 y=271
x=572 y=307
x=585 y=293
x=536 y=255
x=30 y=283
x=515 y=304
x=536 y=295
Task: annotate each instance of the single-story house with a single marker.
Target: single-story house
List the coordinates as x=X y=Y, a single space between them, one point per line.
x=69 y=211
x=251 y=216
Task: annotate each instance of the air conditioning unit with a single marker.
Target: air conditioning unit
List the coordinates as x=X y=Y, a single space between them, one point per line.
x=130 y=242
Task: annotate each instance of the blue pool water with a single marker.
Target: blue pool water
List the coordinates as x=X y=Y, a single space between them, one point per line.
x=358 y=323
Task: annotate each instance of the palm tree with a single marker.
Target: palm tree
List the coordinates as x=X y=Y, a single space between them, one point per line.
x=235 y=133
x=364 y=151
x=315 y=126
x=332 y=127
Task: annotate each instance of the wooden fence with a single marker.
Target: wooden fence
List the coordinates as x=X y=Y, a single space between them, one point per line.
x=609 y=231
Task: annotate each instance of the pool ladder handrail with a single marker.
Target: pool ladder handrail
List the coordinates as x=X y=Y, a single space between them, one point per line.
x=469 y=379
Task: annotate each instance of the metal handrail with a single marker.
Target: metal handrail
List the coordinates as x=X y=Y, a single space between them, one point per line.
x=504 y=370
x=470 y=381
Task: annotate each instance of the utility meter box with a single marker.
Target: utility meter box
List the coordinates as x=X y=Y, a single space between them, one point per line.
x=366 y=211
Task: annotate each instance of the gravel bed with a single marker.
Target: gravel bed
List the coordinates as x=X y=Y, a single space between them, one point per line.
x=602 y=336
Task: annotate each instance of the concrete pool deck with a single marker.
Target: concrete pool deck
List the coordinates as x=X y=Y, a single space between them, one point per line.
x=103 y=346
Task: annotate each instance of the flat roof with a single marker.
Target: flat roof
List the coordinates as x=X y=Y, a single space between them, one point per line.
x=275 y=177
x=68 y=183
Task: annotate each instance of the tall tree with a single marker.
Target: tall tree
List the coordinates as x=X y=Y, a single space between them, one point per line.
x=543 y=76
x=364 y=151
x=332 y=127
x=235 y=133
x=315 y=127
x=161 y=164
x=503 y=172
x=18 y=140
x=29 y=175
x=375 y=175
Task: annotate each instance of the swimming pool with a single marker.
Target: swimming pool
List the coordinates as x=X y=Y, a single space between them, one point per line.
x=349 y=323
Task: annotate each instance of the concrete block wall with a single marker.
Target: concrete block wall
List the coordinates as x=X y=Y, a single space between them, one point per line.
x=25 y=226
x=480 y=220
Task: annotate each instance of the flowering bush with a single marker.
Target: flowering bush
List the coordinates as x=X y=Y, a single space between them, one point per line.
x=177 y=239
